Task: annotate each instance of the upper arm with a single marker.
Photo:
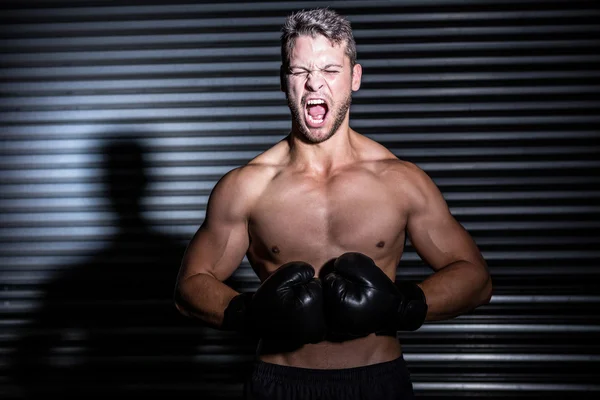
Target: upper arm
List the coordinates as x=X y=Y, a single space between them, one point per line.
x=436 y=235
x=219 y=245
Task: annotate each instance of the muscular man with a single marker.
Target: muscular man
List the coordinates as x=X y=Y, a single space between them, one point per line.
x=323 y=217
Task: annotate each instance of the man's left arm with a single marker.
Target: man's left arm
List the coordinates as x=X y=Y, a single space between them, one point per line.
x=461 y=281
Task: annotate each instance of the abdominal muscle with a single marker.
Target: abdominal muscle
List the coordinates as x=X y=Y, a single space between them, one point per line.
x=360 y=352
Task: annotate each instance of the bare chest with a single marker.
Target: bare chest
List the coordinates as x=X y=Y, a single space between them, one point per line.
x=307 y=221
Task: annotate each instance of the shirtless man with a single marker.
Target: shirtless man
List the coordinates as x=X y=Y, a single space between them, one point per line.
x=324 y=215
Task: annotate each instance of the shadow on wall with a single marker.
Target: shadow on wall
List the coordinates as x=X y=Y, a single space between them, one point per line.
x=108 y=326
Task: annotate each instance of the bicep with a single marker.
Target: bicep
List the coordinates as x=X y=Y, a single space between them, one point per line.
x=436 y=235
x=215 y=250
x=219 y=245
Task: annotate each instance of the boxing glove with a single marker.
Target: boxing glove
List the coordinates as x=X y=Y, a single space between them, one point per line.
x=361 y=299
x=287 y=307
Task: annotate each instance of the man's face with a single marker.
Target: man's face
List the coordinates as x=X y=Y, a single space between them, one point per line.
x=319 y=84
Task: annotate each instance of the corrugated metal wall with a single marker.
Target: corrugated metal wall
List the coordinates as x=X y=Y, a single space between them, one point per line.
x=117 y=119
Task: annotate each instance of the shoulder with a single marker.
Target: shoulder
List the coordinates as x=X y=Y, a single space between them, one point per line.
x=244 y=182
x=272 y=158
x=412 y=183
x=256 y=172
x=406 y=179
x=407 y=173
x=241 y=186
x=385 y=164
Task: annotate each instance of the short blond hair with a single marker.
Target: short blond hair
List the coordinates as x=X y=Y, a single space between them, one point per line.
x=318 y=21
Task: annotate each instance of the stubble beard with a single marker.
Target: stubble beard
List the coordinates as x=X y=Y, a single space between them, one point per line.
x=338 y=116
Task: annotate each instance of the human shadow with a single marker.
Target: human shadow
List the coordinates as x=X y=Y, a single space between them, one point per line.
x=107 y=326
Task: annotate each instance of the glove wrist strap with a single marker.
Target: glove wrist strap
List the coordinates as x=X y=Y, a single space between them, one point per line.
x=237 y=315
x=413 y=307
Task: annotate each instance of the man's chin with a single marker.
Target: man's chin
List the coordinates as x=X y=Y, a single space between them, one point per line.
x=316 y=135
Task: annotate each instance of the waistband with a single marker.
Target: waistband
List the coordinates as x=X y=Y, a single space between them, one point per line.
x=377 y=371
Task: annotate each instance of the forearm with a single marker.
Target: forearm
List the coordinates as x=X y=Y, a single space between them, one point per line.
x=456 y=289
x=204 y=297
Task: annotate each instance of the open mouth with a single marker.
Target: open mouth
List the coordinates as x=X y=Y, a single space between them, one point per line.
x=316 y=112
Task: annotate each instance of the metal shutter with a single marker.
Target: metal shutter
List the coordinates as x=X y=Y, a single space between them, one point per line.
x=117 y=119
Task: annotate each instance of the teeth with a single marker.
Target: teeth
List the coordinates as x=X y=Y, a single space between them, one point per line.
x=317 y=101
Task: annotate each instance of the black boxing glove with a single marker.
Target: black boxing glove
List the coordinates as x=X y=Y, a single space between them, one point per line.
x=361 y=299
x=287 y=307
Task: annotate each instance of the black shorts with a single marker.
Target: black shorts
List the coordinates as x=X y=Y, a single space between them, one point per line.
x=384 y=381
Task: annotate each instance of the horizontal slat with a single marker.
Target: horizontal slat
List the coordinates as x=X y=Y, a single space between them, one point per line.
x=187 y=229
x=57 y=246
x=37 y=272
x=271 y=66
x=186 y=9
x=522 y=299
x=95 y=143
x=182 y=23
x=366 y=51
x=87 y=160
x=360 y=110
x=271 y=36
x=200 y=172
x=505 y=387
x=163 y=128
x=56 y=218
x=165 y=199
x=254 y=82
x=206 y=104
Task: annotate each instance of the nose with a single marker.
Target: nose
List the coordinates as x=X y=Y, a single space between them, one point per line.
x=314 y=81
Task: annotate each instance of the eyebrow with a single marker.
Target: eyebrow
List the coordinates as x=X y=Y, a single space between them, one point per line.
x=325 y=67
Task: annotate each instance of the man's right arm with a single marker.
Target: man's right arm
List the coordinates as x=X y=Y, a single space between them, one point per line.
x=215 y=252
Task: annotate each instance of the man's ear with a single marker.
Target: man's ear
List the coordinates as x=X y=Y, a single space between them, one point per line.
x=282 y=79
x=356 y=77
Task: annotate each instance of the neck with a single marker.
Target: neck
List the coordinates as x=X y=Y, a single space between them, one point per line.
x=321 y=158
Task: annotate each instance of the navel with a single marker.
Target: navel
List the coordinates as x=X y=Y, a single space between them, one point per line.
x=381 y=244
x=275 y=249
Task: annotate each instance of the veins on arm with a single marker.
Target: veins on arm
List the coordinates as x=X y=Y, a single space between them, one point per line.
x=461 y=281
x=214 y=253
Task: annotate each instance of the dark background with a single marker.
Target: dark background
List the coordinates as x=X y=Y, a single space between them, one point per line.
x=117 y=118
